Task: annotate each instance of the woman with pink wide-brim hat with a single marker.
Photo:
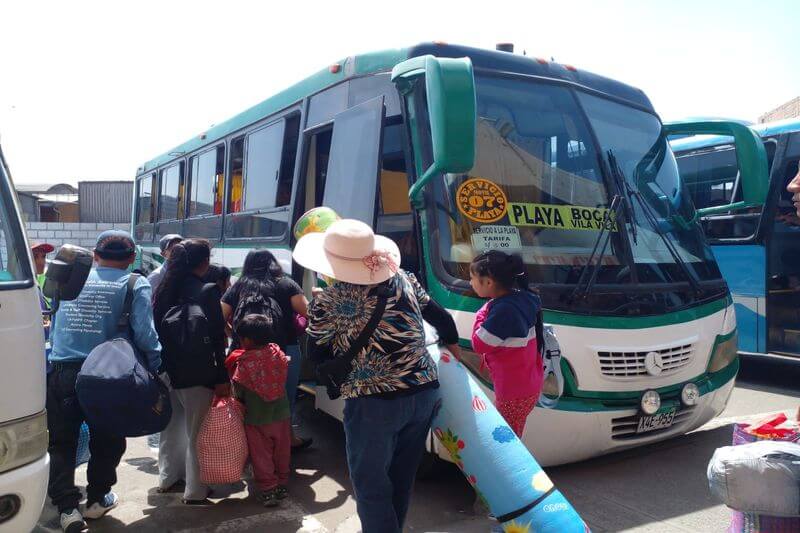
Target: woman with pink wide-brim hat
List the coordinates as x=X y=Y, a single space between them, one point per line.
x=391 y=391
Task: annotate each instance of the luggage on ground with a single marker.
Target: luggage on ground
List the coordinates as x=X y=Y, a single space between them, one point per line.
x=221 y=443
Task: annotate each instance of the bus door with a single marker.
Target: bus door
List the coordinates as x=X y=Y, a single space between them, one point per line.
x=342 y=165
x=783 y=259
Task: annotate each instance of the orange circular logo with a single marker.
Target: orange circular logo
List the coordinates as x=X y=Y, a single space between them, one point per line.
x=481 y=200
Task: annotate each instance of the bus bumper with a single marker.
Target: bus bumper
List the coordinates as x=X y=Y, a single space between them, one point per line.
x=29 y=484
x=560 y=436
x=557 y=437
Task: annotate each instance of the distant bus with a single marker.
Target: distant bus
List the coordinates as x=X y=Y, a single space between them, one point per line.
x=24 y=462
x=451 y=151
x=757 y=248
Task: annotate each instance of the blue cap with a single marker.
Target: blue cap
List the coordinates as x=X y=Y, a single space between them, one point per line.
x=115 y=244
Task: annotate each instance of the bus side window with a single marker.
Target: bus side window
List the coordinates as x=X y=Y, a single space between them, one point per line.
x=204 y=172
x=261 y=180
x=236 y=171
x=219 y=183
x=170 y=197
x=145 y=207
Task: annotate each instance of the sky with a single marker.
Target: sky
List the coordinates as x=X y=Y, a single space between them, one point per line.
x=90 y=90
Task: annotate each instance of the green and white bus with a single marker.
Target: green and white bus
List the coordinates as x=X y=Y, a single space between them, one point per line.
x=452 y=150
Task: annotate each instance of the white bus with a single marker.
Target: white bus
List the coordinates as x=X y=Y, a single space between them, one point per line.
x=24 y=463
x=452 y=150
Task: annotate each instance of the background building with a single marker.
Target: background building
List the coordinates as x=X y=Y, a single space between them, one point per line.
x=105 y=201
x=49 y=203
x=63 y=214
x=790 y=109
x=91 y=201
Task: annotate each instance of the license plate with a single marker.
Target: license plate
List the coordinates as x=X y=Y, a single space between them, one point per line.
x=657 y=421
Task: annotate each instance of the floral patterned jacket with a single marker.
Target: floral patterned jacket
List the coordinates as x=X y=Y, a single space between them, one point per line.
x=395 y=359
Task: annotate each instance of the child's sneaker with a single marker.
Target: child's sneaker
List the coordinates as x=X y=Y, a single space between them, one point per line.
x=269 y=498
x=282 y=492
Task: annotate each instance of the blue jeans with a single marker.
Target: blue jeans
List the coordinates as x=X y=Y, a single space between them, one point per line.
x=293 y=375
x=385 y=443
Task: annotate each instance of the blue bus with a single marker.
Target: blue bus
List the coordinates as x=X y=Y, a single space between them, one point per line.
x=757 y=247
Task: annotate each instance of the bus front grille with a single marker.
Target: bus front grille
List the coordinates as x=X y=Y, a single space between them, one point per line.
x=632 y=364
x=624 y=428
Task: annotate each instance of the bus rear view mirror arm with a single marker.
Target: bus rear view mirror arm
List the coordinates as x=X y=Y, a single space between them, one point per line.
x=451 y=115
x=750 y=153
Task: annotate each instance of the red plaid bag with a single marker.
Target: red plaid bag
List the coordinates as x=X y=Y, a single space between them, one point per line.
x=221 y=443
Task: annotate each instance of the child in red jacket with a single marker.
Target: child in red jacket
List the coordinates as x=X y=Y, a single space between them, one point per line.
x=507 y=334
x=258 y=372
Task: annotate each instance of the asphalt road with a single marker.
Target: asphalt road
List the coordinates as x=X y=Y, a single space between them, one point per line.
x=657 y=488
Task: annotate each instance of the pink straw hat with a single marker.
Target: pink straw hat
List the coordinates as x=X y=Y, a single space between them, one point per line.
x=349 y=251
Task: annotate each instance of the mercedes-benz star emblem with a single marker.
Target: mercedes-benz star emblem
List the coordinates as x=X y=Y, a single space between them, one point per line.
x=653 y=363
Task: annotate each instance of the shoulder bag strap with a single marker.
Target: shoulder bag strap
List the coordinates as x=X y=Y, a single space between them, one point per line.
x=125 y=316
x=362 y=339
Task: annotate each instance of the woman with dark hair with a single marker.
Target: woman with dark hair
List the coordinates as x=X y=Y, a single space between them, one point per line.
x=194 y=384
x=219 y=274
x=261 y=273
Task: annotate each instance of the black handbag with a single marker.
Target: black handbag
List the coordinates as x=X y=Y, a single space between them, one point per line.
x=333 y=373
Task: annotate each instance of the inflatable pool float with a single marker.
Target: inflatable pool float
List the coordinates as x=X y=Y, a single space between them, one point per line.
x=495 y=462
x=316 y=220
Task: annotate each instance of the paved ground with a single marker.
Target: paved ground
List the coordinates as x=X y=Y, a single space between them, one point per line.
x=659 y=488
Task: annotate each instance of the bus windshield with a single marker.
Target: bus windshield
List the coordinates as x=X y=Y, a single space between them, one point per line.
x=659 y=198
x=541 y=149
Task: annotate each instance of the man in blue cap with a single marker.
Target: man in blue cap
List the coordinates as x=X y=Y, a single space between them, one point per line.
x=78 y=327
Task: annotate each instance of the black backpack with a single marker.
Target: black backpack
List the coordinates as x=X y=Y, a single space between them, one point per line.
x=261 y=302
x=187 y=346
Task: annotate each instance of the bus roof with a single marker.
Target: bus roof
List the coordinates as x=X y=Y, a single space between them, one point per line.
x=765 y=129
x=384 y=61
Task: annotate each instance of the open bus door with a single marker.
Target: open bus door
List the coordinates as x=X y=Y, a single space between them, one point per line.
x=342 y=165
x=783 y=257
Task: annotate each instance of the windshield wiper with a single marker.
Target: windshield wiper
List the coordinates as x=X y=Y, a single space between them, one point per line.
x=613 y=209
x=632 y=193
x=624 y=186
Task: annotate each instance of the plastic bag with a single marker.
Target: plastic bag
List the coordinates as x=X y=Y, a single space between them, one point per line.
x=746 y=522
x=761 y=477
x=221 y=443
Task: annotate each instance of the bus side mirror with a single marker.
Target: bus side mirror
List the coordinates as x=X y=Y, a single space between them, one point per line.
x=67 y=274
x=451 y=113
x=750 y=154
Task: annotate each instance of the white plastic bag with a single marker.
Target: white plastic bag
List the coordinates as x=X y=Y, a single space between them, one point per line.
x=761 y=477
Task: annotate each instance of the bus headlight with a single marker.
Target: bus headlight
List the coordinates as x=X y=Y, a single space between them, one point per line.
x=690 y=394
x=23 y=441
x=724 y=352
x=650 y=402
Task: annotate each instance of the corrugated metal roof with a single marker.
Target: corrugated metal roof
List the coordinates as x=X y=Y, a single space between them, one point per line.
x=105 y=201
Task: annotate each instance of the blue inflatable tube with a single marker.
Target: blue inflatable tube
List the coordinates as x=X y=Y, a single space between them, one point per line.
x=494 y=461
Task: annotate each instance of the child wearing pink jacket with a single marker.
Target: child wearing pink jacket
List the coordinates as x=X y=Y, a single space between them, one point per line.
x=508 y=334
